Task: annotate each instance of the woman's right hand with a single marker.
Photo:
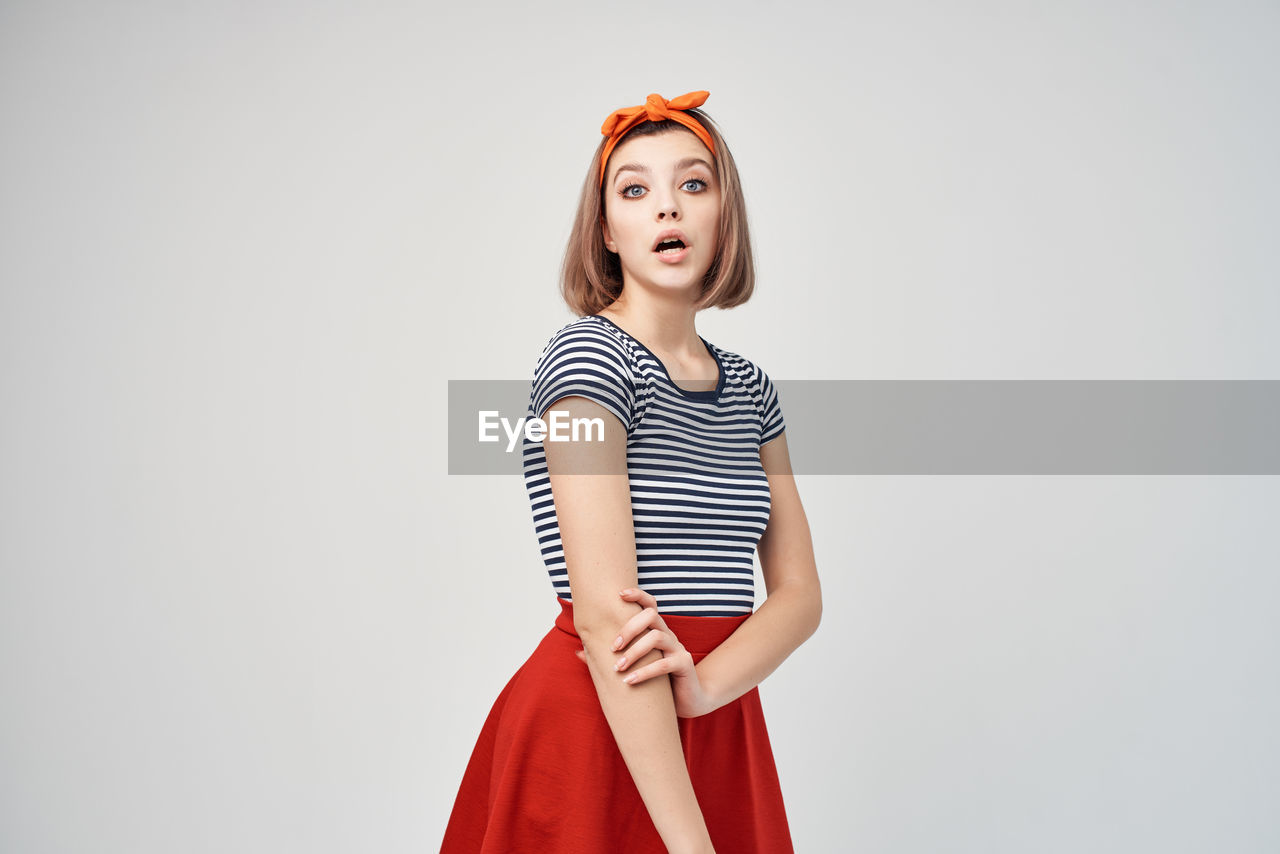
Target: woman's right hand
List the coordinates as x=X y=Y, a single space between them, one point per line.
x=647 y=631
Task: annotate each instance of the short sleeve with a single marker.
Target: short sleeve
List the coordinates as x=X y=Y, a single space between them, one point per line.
x=771 y=422
x=589 y=362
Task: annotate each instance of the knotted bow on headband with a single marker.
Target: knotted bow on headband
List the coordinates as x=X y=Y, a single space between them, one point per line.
x=654 y=109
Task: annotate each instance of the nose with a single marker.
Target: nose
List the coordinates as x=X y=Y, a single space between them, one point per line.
x=668 y=206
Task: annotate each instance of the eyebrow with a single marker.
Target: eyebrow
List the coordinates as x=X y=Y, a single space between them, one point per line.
x=683 y=164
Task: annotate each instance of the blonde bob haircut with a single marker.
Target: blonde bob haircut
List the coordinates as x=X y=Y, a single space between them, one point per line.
x=591 y=275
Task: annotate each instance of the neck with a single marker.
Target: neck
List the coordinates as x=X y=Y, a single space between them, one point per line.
x=664 y=323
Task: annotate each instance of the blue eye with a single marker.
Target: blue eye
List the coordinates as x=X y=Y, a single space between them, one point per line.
x=626 y=193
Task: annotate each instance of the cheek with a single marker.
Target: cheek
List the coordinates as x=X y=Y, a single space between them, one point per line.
x=625 y=228
x=709 y=209
x=713 y=235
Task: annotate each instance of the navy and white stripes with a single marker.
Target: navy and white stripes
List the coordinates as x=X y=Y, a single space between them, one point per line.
x=699 y=496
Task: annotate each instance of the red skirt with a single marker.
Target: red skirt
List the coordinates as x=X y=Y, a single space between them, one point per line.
x=546 y=774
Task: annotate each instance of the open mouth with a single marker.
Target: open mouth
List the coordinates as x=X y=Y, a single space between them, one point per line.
x=670 y=247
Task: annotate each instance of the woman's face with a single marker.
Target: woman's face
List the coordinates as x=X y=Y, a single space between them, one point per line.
x=655 y=184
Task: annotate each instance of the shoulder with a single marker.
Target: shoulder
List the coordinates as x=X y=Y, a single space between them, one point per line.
x=758 y=387
x=744 y=370
x=589 y=338
x=585 y=358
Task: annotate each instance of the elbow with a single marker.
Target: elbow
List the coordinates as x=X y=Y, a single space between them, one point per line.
x=815 y=618
x=600 y=620
x=590 y=629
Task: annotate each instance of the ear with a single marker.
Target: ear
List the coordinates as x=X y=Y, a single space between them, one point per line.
x=608 y=238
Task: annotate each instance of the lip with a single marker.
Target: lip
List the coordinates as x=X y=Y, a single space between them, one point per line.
x=672 y=257
x=669 y=234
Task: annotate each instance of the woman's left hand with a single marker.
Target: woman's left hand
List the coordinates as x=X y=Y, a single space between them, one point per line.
x=651 y=632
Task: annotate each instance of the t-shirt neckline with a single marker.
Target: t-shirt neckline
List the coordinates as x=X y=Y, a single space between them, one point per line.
x=704 y=394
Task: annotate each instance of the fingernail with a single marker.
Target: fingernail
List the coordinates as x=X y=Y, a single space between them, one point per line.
x=622 y=593
x=617 y=644
x=621 y=663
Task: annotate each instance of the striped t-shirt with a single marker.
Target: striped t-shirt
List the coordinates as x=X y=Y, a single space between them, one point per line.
x=699 y=496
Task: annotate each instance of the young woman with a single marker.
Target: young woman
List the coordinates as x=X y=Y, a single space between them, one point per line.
x=636 y=725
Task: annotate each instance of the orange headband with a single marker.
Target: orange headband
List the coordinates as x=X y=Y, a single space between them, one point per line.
x=654 y=109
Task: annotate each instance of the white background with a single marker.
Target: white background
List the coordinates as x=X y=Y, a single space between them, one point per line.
x=244 y=246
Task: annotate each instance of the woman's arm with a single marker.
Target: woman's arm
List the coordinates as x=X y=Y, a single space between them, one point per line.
x=593 y=505
x=791 y=612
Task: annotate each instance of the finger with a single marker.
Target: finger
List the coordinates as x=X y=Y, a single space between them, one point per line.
x=646 y=600
x=650 y=640
x=649 y=618
x=636 y=594
x=656 y=668
x=633 y=626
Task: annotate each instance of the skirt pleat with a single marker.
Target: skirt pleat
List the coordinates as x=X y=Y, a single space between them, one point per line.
x=546 y=774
